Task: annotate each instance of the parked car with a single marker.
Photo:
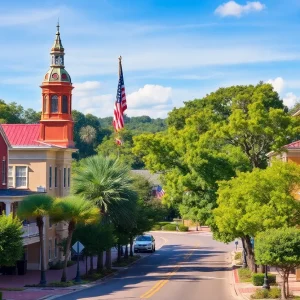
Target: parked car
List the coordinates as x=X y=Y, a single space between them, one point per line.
x=144 y=242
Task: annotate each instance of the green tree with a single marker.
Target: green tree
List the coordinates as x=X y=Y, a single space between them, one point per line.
x=87 y=134
x=109 y=148
x=227 y=131
x=37 y=206
x=106 y=183
x=96 y=238
x=73 y=210
x=30 y=116
x=279 y=248
x=11 y=242
x=256 y=201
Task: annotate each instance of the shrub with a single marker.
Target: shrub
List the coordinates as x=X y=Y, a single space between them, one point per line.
x=183 y=228
x=273 y=293
x=258 y=279
x=238 y=255
x=169 y=227
x=163 y=223
x=0 y=295
x=156 y=227
x=244 y=274
x=60 y=265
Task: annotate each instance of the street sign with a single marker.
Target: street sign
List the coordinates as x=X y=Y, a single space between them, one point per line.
x=78 y=247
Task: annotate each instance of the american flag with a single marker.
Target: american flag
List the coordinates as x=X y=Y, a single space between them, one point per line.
x=119 y=141
x=159 y=192
x=120 y=104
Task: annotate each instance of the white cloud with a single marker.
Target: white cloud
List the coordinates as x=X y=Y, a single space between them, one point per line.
x=290 y=99
x=277 y=83
x=231 y=8
x=150 y=95
x=27 y=16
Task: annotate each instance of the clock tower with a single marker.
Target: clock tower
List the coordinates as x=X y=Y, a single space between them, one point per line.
x=56 y=123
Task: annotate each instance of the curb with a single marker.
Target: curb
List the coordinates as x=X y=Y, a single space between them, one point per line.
x=94 y=283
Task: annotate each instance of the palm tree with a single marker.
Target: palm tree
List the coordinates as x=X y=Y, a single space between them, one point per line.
x=73 y=210
x=87 y=134
x=37 y=206
x=105 y=182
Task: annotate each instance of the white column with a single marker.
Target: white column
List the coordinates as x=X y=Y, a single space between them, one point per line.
x=7 y=207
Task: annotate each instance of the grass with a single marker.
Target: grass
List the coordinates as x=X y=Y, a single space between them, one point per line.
x=58 y=284
x=125 y=262
x=273 y=293
x=11 y=289
x=98 y=275
x=245 y=275
x=238 y=256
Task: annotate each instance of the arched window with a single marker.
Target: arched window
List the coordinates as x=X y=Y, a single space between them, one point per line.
x=54 y=104
x=45 y=104
x=65 y=104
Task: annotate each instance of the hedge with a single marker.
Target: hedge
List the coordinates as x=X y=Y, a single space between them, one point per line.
x=183 y=228
x=156 y=227
x=258 y=279
x=169 y=227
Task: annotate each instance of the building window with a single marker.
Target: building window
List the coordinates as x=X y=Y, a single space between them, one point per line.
x=10 y=177
x=55 y=248
x=69 y=176
x=55 y=176
x=54 y=104
x=50 y=177
x=65 y=175
x=4 y=170
x=65 y=104
x=21 y=177
x=50 y=250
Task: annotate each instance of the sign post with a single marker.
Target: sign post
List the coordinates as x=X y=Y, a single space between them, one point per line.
x=78 y=247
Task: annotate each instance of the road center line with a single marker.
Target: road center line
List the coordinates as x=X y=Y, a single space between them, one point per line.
x=162 y=282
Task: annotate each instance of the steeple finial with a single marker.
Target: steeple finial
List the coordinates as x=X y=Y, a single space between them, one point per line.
x=57 y=26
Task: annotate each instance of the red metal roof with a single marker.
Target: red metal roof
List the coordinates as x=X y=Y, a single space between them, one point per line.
x=293 y=145
x=22 y=134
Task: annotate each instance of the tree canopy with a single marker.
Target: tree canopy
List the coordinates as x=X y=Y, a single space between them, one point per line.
x=279 y=248
x=213 y=138
x=11 y=241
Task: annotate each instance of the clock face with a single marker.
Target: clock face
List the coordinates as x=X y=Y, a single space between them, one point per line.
x=55 y=76
x=64 y=76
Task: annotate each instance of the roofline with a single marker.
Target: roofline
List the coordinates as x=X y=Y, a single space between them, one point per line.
x=43 y=148
x=297 y=113
x=2 y=132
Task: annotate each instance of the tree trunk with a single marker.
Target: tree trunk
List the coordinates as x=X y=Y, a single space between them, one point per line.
x=40 y=224
x=71 y=229
x=131 y=245
x=126 y=252
x=287 y=284
x=250 y=254
x=91 y=264
x=100 y=262
x=119 y=253
x=283 y=290
x=108 y=259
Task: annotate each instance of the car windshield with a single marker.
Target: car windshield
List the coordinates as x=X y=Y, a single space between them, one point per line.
x=143 y=238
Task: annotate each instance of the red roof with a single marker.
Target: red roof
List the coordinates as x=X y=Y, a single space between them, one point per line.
x=293 y=145
x=22 y=134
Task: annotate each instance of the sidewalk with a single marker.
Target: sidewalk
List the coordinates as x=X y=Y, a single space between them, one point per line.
x=246 y=289
x=33 y=277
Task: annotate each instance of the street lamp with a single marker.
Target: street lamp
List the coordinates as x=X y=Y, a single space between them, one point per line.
x=266 y=281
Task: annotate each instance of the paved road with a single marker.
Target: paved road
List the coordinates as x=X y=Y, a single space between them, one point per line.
x=185 y=266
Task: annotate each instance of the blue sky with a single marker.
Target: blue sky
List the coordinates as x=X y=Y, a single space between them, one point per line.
x=173 y=51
